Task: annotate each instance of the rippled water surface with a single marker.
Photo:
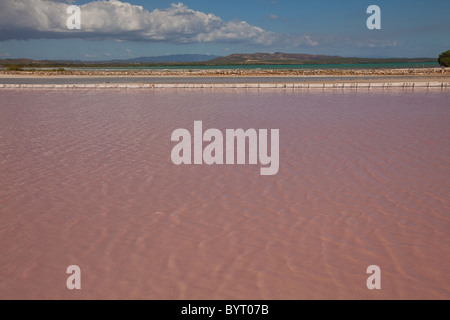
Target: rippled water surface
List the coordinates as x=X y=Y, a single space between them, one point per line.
x=86 y=178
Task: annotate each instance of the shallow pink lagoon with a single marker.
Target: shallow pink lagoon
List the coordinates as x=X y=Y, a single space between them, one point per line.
x=86 y=179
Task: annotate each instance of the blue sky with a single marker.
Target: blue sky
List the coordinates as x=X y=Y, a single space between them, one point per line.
x=128 y=28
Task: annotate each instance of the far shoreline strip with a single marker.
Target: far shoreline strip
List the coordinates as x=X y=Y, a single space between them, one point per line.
x=352 y=85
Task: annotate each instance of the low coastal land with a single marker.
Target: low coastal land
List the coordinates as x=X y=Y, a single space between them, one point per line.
x=231 y=72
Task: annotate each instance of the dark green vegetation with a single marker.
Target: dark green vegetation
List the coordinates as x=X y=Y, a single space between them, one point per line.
x=234 y=59
x=13 y=67
x=444 y=59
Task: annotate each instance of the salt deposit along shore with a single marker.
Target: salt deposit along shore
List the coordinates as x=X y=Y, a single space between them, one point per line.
x=144 y=79
x=376 y=85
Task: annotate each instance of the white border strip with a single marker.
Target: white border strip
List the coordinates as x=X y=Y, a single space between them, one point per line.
x=387 y=85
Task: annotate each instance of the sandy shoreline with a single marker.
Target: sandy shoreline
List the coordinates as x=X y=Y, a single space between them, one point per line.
x=222 y=82
x=137 y=79
x=323 y=86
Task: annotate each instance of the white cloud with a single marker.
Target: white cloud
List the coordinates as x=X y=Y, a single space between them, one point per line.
x=309 y=41
x=373 y=43
x=34 y=19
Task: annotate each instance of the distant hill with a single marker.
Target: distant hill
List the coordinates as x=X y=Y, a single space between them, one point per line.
x=17 y=61
x=269 y=58
x=210 y=60
x=168 y=59
x=294 y=58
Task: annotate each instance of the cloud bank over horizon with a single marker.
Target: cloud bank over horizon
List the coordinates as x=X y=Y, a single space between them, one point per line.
x=178 y=24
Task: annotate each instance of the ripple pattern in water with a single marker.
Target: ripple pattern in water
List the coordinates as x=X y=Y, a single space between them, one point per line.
x=86 y=178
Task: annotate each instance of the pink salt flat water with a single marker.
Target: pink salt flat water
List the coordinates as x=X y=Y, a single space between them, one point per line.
x=86 y=179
